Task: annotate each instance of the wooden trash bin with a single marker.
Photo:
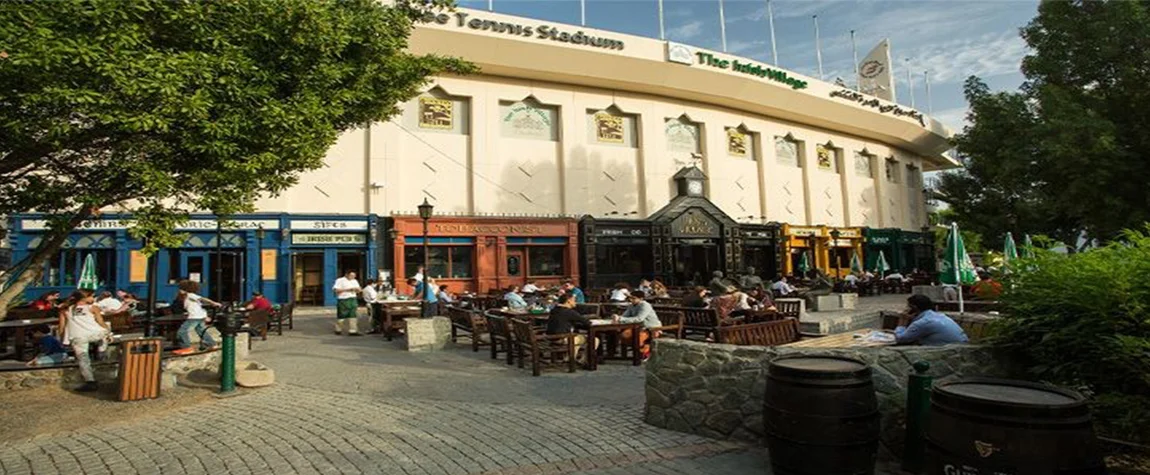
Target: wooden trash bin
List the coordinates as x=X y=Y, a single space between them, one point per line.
x=139 y=376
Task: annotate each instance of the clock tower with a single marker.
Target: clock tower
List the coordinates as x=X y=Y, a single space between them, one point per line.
x=689 y=181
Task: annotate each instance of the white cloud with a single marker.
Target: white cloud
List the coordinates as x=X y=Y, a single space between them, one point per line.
x=991 y=54
x=745 y=48
x=953 y=118
x=687 y=31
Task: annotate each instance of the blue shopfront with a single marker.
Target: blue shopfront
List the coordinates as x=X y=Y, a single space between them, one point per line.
x=290 y=257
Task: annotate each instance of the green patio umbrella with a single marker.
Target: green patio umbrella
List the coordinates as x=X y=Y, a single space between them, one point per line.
x=856 y=263
x=804 y=264
x=880 y=265
x=1027 y=247
x=88 y=279
x=957 y=268
x=1009 y=251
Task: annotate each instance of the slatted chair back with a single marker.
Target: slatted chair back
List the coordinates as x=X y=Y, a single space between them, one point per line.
x=259 y=320
x=700 y=318
x=499 y=333
x=588 y=309
x=672 y=321
x=665 y=301
x=121 y=322
x=459 y=316
x=524 y=334
x=760 y=316
x=789 y=307
x=779 y=332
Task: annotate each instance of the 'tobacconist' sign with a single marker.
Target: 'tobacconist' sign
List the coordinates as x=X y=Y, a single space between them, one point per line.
x=516 y=29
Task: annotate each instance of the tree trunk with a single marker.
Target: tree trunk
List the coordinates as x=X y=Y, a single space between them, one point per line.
x=29 y=269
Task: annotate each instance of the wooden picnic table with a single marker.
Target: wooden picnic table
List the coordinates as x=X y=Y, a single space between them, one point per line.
x=612 y=333
x=19 y=328
x=839 y=340
x=394 y=311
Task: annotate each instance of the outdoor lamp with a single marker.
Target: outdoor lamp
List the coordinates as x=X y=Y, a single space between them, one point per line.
x=425 y=210
x=393 y=233
x=260 y=233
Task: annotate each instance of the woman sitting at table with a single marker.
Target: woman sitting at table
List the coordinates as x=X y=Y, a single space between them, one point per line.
x=926 y=326
x=658 y=289
x=640 y=312
x=733 y=303
x=697 y=298
x=48 y=301
x=514 y=300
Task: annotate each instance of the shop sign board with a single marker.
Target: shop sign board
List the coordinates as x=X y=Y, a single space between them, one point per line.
x=333 y=238
x=329 y=225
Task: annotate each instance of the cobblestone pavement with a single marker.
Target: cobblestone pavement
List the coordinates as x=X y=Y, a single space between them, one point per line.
x=362 y=405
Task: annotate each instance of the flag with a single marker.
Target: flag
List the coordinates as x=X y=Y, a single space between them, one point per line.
x=875 y=76
x=880 y=265
x=804 y=264
x=957 y=267
x=856 y=264
x=88 y=279
x=1009 y=251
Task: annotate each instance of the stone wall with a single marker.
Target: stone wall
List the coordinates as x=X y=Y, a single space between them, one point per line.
x=717 y=390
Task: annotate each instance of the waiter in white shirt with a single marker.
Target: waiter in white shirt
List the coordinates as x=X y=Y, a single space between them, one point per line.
x=346 y=291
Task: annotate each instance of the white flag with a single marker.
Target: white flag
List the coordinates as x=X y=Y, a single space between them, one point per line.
x=875 y=77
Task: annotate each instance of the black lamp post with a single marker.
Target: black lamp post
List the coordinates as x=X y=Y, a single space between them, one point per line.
x=153 y=278
x=425 y=211
x=218 y=284
x=394 y=235
x=260 y=244
x=834 y=250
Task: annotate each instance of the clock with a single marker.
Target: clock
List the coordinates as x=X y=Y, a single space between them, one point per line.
x=695 y=187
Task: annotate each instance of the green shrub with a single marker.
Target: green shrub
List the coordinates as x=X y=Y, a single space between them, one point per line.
x=1082 y=320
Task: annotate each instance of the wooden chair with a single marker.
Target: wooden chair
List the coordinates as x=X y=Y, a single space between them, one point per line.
x=539 y=345
x=259 y=321
x=779 y=332
x=121 y=322
x=760 y=316
x=704 y=321
x=589 y=310
x=499 y=333
x=789 y=308
x=666 y=301
x=471 y=322
x=672 y=321
x=276 y=318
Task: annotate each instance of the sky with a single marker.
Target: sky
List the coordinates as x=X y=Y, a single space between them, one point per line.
x=952 y=39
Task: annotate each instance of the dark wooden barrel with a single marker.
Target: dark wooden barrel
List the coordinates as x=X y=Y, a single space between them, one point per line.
x=995 y=426
x=821 y=416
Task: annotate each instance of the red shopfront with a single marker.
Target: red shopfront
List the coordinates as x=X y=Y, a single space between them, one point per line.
x=485 y=255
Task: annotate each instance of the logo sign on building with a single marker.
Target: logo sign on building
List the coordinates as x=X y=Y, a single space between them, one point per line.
x=694 y=223
x=308 y=238
x=528 y=120
x=436 y=113
x=621 y=232
x=190 y=225
x=752 y=69
x=542 y=32
x=736 y=142
x=680 y=53
x=608 y=128
x=823 y=154
x=322 y=225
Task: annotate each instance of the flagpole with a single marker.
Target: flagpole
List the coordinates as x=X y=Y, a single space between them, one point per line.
x=957 y=265
x=910 y=81
x=583 y=12
x=929 y=101
x=662 y=27
x=855 y=52
x=723 y=25
x=771 y=22
x=818 y=46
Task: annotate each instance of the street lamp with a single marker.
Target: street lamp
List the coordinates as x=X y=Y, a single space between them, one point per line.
x=425 y=211
x=834 y=252
x=260 y=245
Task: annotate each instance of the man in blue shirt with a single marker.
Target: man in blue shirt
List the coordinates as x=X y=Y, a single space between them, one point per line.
x=927 y=327
x=570 y=288
x=421 y=293
x=514 y=300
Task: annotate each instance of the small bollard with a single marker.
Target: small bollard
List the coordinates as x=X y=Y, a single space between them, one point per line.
x=229 y=324
x=917 y=415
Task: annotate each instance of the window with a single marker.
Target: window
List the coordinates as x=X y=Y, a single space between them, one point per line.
x=611 y=127
x=528 y=119
x=682 y=135
x=63 y=269
x=741 y=143
x=438 y=112
x=863 y=164
x=787 y=151
x=443 y=262
x=631 y=260
x=892 y=170
x=545 y=260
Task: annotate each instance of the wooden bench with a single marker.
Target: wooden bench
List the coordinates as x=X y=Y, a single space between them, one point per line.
x=779 y=332
x=789 y=308
x=499 y=333
x=704 y=321
x=472 y=323
x=541 y=348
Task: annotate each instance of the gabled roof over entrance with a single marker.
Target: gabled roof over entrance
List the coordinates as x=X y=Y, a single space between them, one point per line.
x=683 y=203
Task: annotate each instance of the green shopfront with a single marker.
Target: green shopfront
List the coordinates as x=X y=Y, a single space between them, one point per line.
x=904 y=250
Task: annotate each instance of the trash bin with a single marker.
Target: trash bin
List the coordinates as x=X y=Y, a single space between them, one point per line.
x=140 y=368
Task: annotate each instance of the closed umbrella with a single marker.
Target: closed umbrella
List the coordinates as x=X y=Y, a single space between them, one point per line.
x=957 y=268
x=1009 y=251
x=1027 y=247
x=856 y=263
x=804 y=264
x=880 y=265
x=88 y=279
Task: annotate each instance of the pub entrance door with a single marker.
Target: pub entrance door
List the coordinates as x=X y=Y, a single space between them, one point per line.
x=695 y=260
x=516 y=266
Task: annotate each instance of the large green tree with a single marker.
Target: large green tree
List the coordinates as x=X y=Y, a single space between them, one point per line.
x=1069 y=152
x=161 y=107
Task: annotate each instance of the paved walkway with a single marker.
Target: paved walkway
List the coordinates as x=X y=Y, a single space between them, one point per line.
x=362 y=405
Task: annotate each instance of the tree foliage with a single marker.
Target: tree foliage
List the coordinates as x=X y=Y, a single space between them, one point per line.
x=161 y=107
x=1084 y=320
x=1067 y=153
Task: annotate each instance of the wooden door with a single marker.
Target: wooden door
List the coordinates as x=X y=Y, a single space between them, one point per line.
x=516 y=266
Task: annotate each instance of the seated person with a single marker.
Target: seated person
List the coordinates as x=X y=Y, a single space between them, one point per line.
x=621 y=292
x=782 y=288
x=570 y=288
x=51 y=351
x=751 y=279
x=895 y=276
x=987 y=288
x=697 y=298
x=531 y=288
x=921 y=325
x=258 y=302
x=445 y=296
x=640 y=312
x=564 y=319
x=762 y=298
x=48 y=301
x=851 y=279
x=658 y=289
x=732 y=303
x=514 y=300
x=109 y=305
x=645 y=286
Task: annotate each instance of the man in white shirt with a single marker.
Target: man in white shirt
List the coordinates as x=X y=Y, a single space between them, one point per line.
x=109 y=305
x=530 y=288
x=851 y=279
x=895 y=276
x=781 y=287
x=419 y=274
x=346 y=291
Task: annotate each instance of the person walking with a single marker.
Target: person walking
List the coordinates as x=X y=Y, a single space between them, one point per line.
x=347 y=291
x=197 y=320
x=83 y=324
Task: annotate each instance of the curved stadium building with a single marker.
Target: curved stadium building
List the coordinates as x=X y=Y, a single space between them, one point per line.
x=574 y=153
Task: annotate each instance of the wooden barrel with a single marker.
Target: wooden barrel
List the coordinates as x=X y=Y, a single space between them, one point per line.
x=821 y=416
x=995 y=426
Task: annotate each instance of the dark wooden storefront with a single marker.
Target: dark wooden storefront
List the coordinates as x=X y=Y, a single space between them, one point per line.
x=614 y=250
x=761 y=249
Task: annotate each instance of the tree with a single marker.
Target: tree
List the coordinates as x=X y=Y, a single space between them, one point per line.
x=1066 y=154
x=161 y=107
